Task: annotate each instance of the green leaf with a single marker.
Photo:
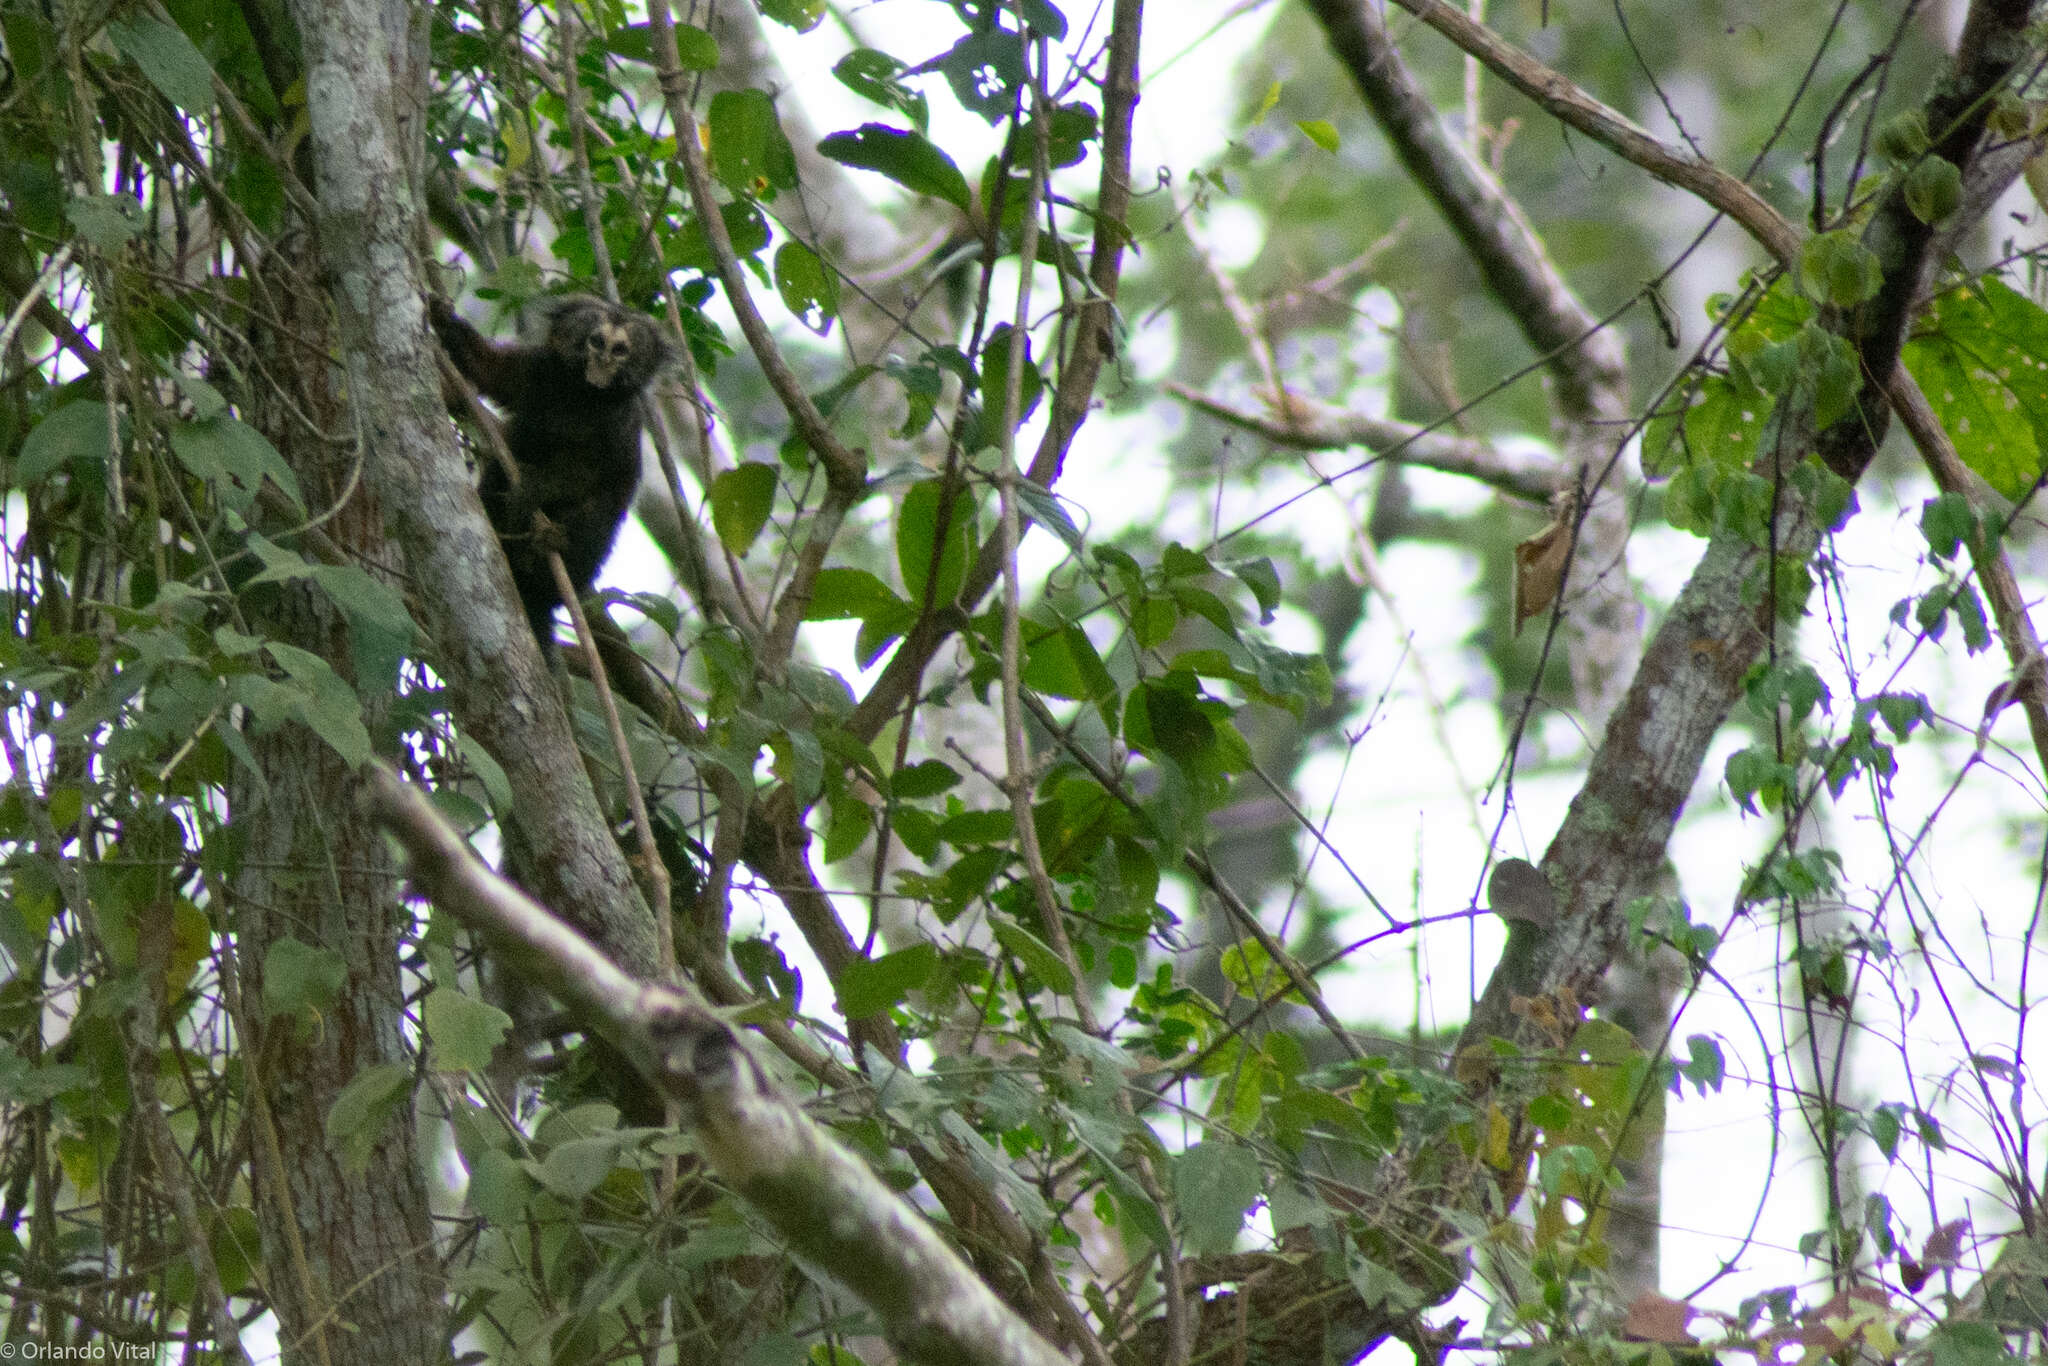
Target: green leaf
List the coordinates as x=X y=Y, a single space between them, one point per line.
x=575 y=1168
x=1264 y=581
x=986 y=71
x=1045 y=17
x=1063 y=663
x=72 y=433
x=372 y=1098
x=323 y=702
x=1963 y=1343
x=909 y=159
x=741 y=500
x=499 y=1186
x=875 y=75
x=107 y=221
x=1042 y=505
x=801 y=15
x=1321 y=132
x=696 y=50
x=1903 y=136
x=1981 y=357
x=1946 y=522
x=995 y=388
x=691 y=250
x=871 y=985
x=1837 y=269
x=168 y=58
x=919 y=534
x=748 y=149
x=927 y=778
x=842 y=594
x=1214 y=1183
x=1704 y=1067
x=809 y=287
x=852 y=821
x=234 y=459
x=1933 y=189
x=1885 y=1124
x=21 y=1084
x=464 y=1030
x=299 y=977
x=1033 y=952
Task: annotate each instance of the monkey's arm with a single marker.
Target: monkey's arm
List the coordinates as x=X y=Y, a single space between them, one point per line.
x=500 y=371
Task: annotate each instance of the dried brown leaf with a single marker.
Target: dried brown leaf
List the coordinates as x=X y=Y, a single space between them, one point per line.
x=1659 y=1318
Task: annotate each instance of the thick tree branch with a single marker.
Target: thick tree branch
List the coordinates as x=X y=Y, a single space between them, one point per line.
x=1576 y=108
x=502 y=695
x=1585 y=357
x=1993 y=43
x=1581 y=352
x=834 y=1211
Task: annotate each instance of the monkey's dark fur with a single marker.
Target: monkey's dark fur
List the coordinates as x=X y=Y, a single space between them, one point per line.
x=573 y=391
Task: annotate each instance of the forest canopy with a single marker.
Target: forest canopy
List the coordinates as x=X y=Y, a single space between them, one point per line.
x=1287 y=681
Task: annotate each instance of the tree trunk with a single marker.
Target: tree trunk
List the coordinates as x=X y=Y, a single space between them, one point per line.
x=352 y=1269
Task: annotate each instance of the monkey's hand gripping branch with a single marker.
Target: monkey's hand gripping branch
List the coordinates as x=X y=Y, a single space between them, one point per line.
x=835 y=1214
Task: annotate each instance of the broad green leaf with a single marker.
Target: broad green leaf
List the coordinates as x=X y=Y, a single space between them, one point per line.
x=923 y=545
x=801 y=15
x=927 y=778
x=741 y=500
x=168 y=58
x=1214 y=1183
x=809 y=287
x=986 y=71
x=22 y=1084
x=841 y=593
x=1033 y=952
x=499 y=1187
x=1045 y=17
x=696 y=50
x=1322 y=133
x=370 y=1101
x=1933 y=189
x=995 y=388
x=464 y=1030
x=690 y=250
x=327 y=705
x=1264 y=581
x=1981 y=357
x=575 y=1168
x=298 y=976
x=748 y=149
x=909 y=159
x=871 y=985
x=1835 y=268
x=233 y=458
x=1063 y=663
x=1043 y=507
x=875 y=75
x=107 y=221
x=75 y=432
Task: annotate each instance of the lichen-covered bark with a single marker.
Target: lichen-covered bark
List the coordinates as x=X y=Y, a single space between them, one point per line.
x=352 y=1272
x=362 y=78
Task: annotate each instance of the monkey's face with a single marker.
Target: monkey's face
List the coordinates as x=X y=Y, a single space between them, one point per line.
x=606 y=349
x=609 y=348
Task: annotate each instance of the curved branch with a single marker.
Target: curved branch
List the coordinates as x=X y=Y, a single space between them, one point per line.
x=1570 y=105
x=824 y=1200
x=1315 y=427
